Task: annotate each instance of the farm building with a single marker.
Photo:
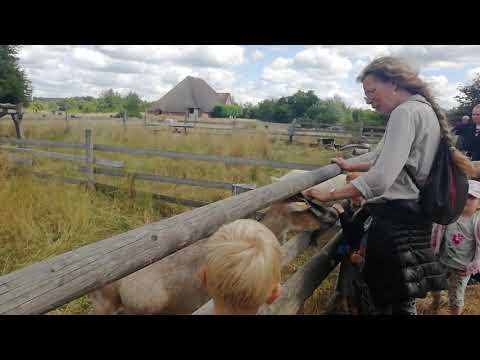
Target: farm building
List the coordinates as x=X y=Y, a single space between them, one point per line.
x=193 y=96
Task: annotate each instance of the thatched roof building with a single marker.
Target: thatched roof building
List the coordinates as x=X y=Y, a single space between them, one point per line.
x=190 y=95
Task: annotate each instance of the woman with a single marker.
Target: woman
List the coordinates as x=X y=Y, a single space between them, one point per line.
x=399 y=263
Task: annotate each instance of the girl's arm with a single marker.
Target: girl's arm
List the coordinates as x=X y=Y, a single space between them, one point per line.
x=474 y=266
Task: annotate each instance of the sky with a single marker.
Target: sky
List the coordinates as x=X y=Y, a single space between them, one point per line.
x=251 y=73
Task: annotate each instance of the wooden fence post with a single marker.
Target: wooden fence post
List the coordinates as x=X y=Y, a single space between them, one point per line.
x=89 y=158
x=124 y=120
x=291 y=130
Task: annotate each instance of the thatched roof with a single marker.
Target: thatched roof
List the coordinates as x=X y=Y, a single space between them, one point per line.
x=191 y=92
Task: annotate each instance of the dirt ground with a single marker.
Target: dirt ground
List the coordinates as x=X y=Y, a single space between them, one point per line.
x=317 y=303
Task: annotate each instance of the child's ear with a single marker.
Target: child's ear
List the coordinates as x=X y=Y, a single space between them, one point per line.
x=276 y=292
x=202 y=274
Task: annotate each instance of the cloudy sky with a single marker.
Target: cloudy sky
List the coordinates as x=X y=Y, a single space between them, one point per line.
x=250 y=72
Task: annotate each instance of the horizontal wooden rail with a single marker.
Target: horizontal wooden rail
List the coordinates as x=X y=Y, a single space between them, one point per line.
x=190 y=156
x=162 y=179
x=48 y=284
x=67 y=157
x=48 y=143
x=110 y=188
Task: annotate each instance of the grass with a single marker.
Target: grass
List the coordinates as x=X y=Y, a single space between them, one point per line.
x=40 y=219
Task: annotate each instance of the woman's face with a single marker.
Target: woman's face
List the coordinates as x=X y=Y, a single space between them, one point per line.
x=380 y=94
x=476 y=115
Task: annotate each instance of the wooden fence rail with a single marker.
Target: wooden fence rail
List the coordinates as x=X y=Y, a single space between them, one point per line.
x=60 y=156
x=201 y=157
x=53 y=282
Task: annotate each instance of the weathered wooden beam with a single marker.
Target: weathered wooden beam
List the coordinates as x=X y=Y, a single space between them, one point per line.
x=109 y=188
x=190 y=156
x=13 y=141
x=67 y=157
x=89 y=158
x=8 y=106
x=163 y=179
x=53 y=282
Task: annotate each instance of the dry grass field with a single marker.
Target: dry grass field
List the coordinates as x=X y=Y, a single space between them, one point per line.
x=40 y=218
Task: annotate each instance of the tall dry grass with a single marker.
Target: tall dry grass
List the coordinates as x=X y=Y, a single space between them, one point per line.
x=39 y=219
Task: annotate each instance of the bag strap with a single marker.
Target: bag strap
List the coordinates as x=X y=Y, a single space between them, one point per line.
x=412 y=177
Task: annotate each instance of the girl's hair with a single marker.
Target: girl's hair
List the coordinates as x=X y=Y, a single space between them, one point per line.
x=397 y=70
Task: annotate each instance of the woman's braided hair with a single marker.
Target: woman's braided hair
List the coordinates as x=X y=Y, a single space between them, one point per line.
x=389 y=68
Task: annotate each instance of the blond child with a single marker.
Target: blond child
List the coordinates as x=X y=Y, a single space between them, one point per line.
x=242 y=268
x=457 y=247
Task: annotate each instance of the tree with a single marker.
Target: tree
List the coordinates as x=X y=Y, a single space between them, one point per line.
x=109 y=101
x=36 y=106
x=15 y=87
x=266 y=110
x=300 y=102
x=469 y=97
x=133 y=105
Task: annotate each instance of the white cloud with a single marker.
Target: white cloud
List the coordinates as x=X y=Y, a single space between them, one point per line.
x=60 y=71
x=472 y=73
x=443 y=90
x=152 y=70
x=257 y=55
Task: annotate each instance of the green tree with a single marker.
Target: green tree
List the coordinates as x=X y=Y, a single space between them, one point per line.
x=36 y=106
x=469 y=97
x=15 y=87
x=110 y=101
x=282 y=112
x=266 y=109
x=133 y=105
x=300 y=102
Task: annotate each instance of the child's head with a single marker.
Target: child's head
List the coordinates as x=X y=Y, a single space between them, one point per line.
x=242 y=266
x=473 y=201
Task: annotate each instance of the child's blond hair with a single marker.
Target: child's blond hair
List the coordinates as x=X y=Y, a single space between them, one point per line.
x=243 y=264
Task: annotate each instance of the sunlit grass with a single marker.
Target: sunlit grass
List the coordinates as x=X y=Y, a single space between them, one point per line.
x=40 y=219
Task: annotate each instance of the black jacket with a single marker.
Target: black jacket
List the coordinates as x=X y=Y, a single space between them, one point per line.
x=471 y=143
x=399 y=262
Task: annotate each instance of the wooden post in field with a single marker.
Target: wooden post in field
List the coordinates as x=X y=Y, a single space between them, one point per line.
x=291 y=131
x=124 y=120
x=17 y=119
x=145 y=118
x=67 y=125
x=89 y=158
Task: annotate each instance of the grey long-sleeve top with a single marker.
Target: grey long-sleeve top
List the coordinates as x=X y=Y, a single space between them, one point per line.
x=411 y=139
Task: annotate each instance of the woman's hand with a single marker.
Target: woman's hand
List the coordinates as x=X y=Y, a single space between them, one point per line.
x=315 y=194
x=339 y=208
x=342 y=163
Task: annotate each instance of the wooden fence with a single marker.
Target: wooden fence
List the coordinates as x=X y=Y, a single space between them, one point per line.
x=116 y=168
x=372 y=134
x=48 y=284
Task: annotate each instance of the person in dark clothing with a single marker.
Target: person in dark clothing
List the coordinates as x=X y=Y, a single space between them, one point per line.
x=399 y=263
x=351 y=292
x=461 y=130
x=471 y=137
